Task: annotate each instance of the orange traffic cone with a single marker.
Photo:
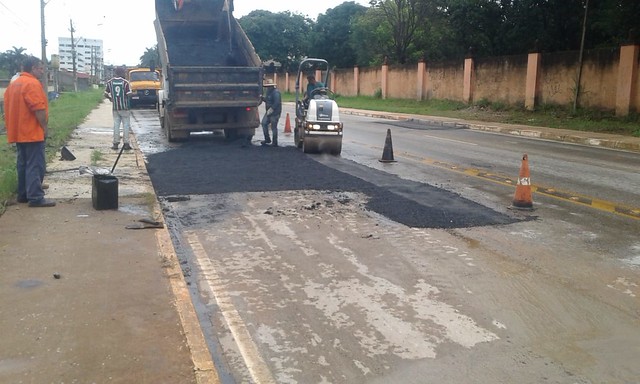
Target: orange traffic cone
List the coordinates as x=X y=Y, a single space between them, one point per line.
x=522 y=198
x=287 y=125
x=387 y=152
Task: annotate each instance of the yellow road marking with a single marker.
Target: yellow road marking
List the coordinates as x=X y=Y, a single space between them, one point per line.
x=568 y=196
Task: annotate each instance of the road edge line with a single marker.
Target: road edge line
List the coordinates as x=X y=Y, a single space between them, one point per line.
x=204 y=367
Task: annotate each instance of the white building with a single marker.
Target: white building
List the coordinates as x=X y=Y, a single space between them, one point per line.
x=89 y=56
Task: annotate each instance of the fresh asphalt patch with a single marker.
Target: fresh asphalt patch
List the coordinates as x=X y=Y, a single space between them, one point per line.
x=424 y=124
x=217 y=167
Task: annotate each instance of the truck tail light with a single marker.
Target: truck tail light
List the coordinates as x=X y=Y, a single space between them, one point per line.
x=179 y=112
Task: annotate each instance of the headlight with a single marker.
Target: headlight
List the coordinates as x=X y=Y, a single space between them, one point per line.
x=331 y=127
x=316 y=126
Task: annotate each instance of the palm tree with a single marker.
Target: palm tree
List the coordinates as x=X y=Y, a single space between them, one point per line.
x=13 y=59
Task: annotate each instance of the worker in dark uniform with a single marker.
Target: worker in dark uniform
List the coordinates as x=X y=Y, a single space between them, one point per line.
x=273 y=102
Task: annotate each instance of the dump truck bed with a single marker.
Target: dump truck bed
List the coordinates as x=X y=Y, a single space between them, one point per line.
x=210 y=62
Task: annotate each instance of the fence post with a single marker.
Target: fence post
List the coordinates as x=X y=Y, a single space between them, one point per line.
x=467 y=89
x=287 y=88
x=385 y=78
x=627 y=77
x=356 y=81
x=533 y=74
x=422 y=72
x=332 y=81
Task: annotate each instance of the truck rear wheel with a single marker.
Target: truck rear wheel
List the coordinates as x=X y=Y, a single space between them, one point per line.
x=231 y=134
x=172 y=135
x=166 y=124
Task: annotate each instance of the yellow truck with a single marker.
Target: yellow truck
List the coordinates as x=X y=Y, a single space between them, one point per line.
x=145 y=84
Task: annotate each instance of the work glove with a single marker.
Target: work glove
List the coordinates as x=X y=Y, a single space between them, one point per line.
x=269 y=111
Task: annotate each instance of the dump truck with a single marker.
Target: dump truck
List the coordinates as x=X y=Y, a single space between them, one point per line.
x=145 y=84
x=212 y=76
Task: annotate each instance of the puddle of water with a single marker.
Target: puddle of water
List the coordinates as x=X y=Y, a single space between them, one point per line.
x=633 y=261
x=135 y=209
x=29 y=283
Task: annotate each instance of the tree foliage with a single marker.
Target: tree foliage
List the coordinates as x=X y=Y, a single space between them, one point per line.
x=404 y=18
x=282 y=37
x=150 y=58
x=11 y=60
x=405 y=31
x=331 y=36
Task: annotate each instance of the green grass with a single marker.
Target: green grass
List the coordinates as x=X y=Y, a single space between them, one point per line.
x=96 y=156
x=65 y=114
x=545 y=116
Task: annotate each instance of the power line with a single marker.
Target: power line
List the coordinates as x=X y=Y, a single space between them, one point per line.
x=15 y=16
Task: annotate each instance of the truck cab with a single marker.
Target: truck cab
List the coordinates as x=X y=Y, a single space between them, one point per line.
x=145 y=84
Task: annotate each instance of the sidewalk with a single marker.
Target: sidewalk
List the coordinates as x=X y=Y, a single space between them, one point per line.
x=82 y=298
x=120 y=311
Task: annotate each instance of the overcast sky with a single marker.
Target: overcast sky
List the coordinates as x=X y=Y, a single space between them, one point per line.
x=125 y=26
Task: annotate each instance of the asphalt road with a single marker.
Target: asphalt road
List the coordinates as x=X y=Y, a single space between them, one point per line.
x=324 y=269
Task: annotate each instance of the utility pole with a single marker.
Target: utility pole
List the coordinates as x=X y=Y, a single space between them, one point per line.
x=73 y=57
x=45 y=75
x=581 y=58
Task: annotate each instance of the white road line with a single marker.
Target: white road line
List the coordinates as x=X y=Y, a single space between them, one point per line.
x=257 y=367
x=451 y=140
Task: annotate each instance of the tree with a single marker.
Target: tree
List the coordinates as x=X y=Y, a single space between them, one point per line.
x=613 y=22
x=282 y=37
x=404 y=17
x=11 y=60
x=150 y=58
x=555 y=25
x=475 y=24
x=371 y=38
x=331 y=35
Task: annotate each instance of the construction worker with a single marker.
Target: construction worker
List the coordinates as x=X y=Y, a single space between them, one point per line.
x=311 y=86
x=26 y=117
x=273 y=102
x=118 y=91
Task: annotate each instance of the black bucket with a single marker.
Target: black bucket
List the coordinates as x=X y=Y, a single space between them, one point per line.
x=104 y=192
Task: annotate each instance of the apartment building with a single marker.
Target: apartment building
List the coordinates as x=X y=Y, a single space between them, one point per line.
x=89 y=56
